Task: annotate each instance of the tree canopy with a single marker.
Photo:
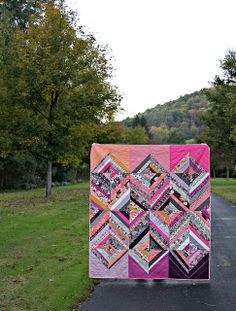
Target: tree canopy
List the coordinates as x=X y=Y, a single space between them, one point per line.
x=55 y=82
x=220 y=118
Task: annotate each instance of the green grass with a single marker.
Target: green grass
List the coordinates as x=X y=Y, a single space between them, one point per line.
x=225 y=188
x=44 y=249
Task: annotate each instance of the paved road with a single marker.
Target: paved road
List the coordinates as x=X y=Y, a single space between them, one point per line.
x=169 y=295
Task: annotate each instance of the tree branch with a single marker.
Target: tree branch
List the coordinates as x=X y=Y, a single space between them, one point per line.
x=36 y=109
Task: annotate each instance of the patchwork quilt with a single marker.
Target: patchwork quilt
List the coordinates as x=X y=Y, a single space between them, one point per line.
x=150 y=211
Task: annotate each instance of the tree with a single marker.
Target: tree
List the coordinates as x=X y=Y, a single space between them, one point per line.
x=136 y=121
x=220 y=118
x=143 y=122
x=18 y=12
x=17 y=172
x=55 y=82
x=112 y=133
x=160 y=134
x=137 y=135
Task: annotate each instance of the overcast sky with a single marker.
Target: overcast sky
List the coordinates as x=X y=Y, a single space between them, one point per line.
x=162 y=49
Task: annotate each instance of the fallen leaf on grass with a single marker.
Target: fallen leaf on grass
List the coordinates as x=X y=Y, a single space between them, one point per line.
x=18 y=280
x=61 y=258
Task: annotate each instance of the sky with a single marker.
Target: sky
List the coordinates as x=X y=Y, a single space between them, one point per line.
x=162 y=49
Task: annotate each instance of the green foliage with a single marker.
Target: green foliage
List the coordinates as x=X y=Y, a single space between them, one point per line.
x=27 y=173
x=54 y=87
x=18 y=12
x=178 y=118
x=60 y=81
x=17 y=172
x=164 y=135
x=137 y=136
x=136 y=121
x=111 y=133
x=220 y=117
x=120 y=134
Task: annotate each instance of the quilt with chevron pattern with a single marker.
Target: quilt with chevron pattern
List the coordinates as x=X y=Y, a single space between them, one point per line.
x=150 y=212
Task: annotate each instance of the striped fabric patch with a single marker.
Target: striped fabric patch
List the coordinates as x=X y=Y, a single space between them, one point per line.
x=150 y=212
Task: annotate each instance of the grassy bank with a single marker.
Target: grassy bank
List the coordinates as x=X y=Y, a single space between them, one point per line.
x=43 y=249
x=225 y=188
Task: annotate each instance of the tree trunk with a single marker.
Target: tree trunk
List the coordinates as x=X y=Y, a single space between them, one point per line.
x=227 y=172
x=214 y=172
x=49 y=180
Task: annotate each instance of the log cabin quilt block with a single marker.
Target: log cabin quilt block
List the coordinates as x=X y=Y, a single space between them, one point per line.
x=150 y=211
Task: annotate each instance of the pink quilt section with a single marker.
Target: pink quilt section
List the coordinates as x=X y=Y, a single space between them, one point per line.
x=150 y=212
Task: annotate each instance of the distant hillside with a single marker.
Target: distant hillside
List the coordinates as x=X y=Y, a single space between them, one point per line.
x=180 y=117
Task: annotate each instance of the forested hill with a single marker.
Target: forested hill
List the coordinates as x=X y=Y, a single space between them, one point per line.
x=177 y=118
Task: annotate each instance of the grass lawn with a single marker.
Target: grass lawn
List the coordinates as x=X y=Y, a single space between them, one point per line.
x=44 y=249
x=225 y=188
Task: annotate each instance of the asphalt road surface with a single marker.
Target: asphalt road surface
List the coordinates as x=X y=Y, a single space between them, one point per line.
x=219 y=294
